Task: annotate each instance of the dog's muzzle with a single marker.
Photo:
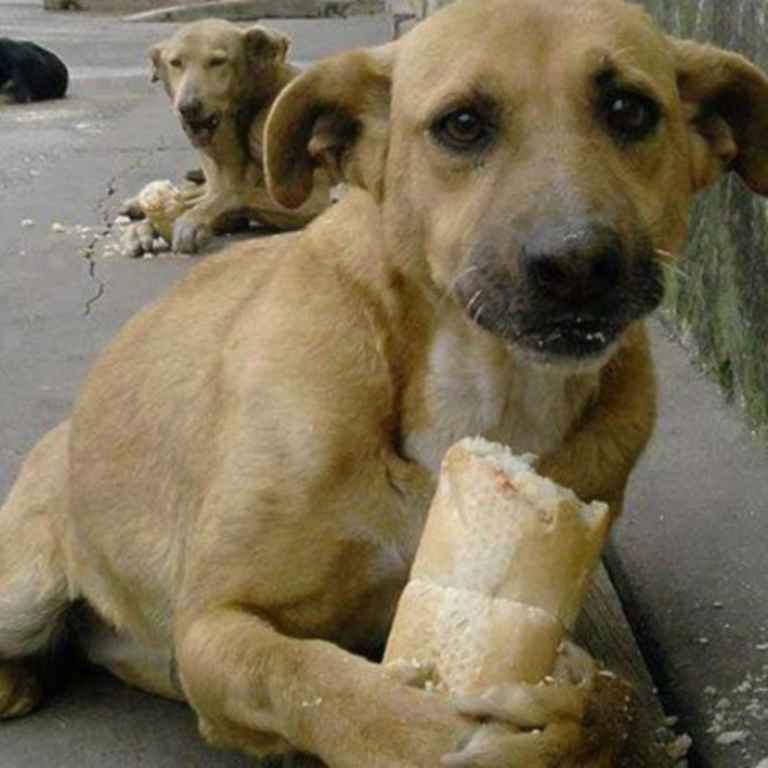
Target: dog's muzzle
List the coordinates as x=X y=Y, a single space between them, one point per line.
x=200 y=128
x=201 y=131
x=567 y=295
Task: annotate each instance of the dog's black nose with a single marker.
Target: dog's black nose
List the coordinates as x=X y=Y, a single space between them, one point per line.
x=574 y=263
x=191 y=109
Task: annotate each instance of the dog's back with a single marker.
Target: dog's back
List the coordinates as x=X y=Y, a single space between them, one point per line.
x=29 y=72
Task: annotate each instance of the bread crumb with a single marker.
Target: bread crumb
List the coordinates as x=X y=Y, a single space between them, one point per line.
x=27 y=223
x=732 y=737
x=680 y=747
x=671 y=722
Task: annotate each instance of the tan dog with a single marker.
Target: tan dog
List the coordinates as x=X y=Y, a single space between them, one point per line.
x=222 y=81
x=242 y=501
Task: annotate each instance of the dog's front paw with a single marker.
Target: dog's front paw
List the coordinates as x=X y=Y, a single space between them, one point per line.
x=138 y=239
x=534 y=726
x=582 y=720
x=190 y=236
x=20 y=690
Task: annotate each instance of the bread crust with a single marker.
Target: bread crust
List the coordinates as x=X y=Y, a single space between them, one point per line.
x=501 y=573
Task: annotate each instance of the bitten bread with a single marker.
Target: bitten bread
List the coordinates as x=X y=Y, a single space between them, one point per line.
x=162 y=203
x=501 y=572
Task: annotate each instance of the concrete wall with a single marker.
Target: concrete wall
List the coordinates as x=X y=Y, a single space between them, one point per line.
x=235 y=10
x=718 y=300
x=112 y=6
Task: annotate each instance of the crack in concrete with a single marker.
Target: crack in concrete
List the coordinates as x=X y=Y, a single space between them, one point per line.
x=100 y=286
x=89 y=252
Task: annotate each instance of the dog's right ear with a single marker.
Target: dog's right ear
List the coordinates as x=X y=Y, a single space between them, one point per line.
x=265 y=47
x=156 y=62
x=335 y=116
x=727 y=100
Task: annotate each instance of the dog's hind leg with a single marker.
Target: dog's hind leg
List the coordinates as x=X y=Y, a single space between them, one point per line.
x=33 y=584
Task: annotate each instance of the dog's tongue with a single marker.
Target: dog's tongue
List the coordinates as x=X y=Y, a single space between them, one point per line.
x=201 y=133
x=200 y=137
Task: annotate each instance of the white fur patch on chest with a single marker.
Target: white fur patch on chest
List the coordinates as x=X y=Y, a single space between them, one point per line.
x=471 y=391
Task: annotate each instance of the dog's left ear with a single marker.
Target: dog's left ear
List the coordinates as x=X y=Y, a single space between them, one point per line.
x=156 y=62
x=726 y=98
x=265 y=46
x=333 y=116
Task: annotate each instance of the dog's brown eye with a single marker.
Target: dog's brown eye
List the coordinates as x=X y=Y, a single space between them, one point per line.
x=175 y=63
x=631 y=116
x=217 y=62
x=461 y=129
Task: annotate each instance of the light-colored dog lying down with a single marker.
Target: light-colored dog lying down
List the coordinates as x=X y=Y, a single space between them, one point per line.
x=241 y=501
x=222 y=81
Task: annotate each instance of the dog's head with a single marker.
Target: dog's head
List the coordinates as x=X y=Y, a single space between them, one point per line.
x=540 y=155
x=206 y=68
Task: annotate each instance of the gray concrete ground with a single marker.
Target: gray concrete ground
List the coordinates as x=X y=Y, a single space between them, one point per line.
x=689 y=557
x=60 y=302
x=690 y=561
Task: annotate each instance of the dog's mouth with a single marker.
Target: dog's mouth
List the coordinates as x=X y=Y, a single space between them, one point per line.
x=570 y=339
x=547 y=338
x=201 y=131
x=545 y=334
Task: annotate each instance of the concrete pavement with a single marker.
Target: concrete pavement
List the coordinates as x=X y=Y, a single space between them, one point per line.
x=690 y=562
x=689 y=557
x=72 y=162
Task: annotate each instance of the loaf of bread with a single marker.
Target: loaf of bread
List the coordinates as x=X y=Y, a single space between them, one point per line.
x=162 y=203
x=501 y=573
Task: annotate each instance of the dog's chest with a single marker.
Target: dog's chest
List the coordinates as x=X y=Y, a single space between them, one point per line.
x=468 y=392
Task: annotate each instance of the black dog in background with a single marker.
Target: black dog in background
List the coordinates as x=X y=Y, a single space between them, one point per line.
x=30 y=73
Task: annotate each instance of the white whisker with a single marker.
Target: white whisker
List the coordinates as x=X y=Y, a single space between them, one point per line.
x=666 y=266
x=473 y=300
x=451 y=288
x=461 y=276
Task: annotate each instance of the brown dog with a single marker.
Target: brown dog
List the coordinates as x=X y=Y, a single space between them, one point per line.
x=222 y=81
x=242 y=502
